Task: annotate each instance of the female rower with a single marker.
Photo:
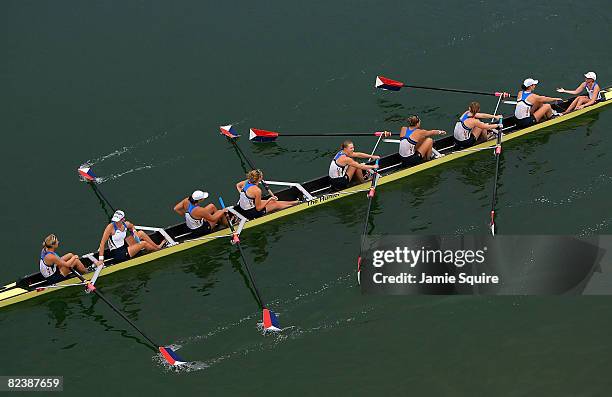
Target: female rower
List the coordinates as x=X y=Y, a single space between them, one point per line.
x=593 y=93
x=469 y=129
x=199 y=220
x=343 y=168
x=53 y=267
x=416 y=145
x=250 y=203
x=124 y=241
x=532 y=108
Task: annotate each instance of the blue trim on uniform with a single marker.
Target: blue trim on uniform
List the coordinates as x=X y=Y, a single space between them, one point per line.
x=192 y=207
x=246 y=187
x=463 y=118
x=44 y=253
x=524 y=98
x=407 y=136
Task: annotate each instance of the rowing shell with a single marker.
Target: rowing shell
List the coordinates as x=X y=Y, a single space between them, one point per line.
x=390 y=170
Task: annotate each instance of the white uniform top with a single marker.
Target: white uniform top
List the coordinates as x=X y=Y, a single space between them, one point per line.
x=591 y=90
x=462 y=132
x=407 y=145
x=245 y=202
x=45 y=269
x=191 y=222
x=335 y=170
x=523 y=108
x=117 y=239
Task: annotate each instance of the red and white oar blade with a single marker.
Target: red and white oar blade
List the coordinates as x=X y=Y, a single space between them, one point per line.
x=388 y=84
x=257 y=135
x=86 y=173
x=171 y=357
x=270 y=322
x=229 y=131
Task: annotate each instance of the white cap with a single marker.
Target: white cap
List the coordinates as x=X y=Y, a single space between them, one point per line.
x=118 y=215
x=529 y=82
x=199 y=195
x=590 y=75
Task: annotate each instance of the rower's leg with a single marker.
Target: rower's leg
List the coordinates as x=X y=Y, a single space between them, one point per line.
x=424 y=147
x=545 y=111
x=212 y=210
x=350 y=172
x=573 y=105
x=279 y=205
x=150 y=245
x=581 y=101
x=479 y=134
x=359 y=175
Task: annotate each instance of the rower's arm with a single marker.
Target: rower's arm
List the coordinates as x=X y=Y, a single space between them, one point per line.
x=361 y=155
x=429 y=133
x=574 y=92
x=259 y=203
x=180 y=208
x=544 y=98
x=240 y=185
x=105 y=237
x=487 y=116
x=485 y=126
x=58 y=261
x=352 y=163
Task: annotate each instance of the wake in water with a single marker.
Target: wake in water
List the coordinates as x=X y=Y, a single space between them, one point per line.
x=124 y=150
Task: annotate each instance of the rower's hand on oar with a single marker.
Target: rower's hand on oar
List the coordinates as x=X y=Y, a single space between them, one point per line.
x=561 y=90
x=375 y=157
x=273 y=198
x=386 y=134
x=441 y=132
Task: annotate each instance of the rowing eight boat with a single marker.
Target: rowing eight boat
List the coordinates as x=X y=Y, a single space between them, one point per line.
x=311 y=193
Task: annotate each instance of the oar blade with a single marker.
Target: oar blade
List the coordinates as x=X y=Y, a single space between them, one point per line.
x=229 y=131
x=270 y=321
x=385 y=83
x=170 y=356
x=258 y=135
x=86 y=173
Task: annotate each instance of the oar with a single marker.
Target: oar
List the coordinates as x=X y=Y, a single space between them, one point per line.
x=498 y=150
x=270 y=322
x=259 y=135
x=169 y=355
x=87 y=174
x=371 y=193
x=228 y=131
x=394 y=85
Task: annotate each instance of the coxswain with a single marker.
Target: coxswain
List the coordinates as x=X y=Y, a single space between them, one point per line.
x=593 y=93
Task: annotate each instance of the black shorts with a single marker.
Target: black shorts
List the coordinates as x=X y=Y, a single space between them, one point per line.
x=526 y=122
x=54 y=278
x=339 y=183
x=201 y=231
x=467 y=143
x=120 y=254
x=413 y=160
x=251 y=213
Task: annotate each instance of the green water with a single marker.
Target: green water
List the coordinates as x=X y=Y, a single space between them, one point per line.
x=138 y=89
